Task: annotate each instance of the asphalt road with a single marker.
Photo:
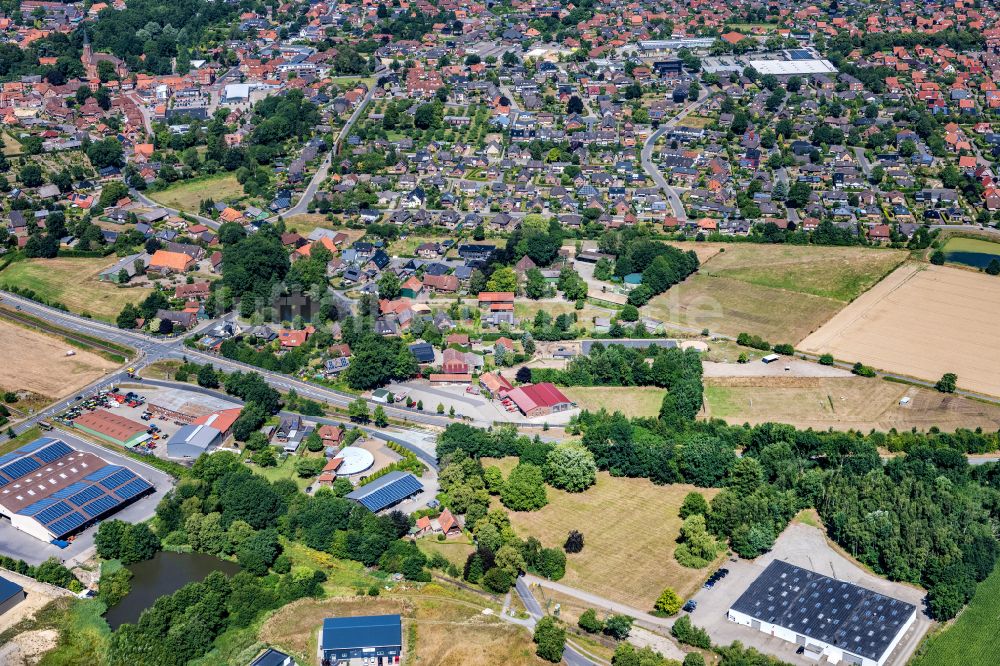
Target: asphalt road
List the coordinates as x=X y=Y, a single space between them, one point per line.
x=653 y=171
x=570 y=655
x=25 y=547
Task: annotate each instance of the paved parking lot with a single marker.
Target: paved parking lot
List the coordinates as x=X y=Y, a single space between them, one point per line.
x=17 y=544
x=474 y=406
x=805 y=547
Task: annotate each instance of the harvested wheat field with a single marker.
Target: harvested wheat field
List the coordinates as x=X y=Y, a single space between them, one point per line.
x=922 y=321
x=449 y=629
x=623 y=559
x=40 y=364
x=842 y=403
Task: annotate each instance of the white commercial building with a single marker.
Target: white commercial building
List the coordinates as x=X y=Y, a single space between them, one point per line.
x=829 y=618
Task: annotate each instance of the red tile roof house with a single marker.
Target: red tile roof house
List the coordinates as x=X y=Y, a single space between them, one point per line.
x=292 y=338
x=540 y=400
x=196 y=290
x=497 y=300
x=454 y=362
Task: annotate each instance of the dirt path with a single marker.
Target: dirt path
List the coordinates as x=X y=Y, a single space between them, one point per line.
x=26 y=649
x=783 y=367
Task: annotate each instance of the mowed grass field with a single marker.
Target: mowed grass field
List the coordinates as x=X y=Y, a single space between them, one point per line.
x=922 y=321
x=782 y=293
x=73 y=282
x=440 y=627
x=630 y=527
x=188 y=196
x=842 y=403
x=973 y=639
x=629 y=400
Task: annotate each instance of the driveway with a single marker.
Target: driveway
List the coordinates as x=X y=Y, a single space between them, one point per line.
x=17 y=544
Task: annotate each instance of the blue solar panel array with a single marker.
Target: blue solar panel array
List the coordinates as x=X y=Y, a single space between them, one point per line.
x=117 y=479
x=85 y=495
x=6 y=458
x=20 y=467
x=103 y=504
x=70 y=490
x=387 y=491
x=132 y=488
x=53 y=452
x=66 y=525
x=102 y=473
x=53 y=512
x=41 y=504
x=35 y=445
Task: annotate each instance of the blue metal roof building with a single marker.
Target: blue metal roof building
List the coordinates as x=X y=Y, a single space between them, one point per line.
x=386 y=491
x=11 y=594
x=377 y=637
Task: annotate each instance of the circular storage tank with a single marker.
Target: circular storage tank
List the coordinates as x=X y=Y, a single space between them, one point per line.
x=355 y=461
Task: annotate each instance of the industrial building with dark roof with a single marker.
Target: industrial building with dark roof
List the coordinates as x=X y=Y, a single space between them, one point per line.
x=376 y=637
x=50 y=490
x=386 y=491
x=11 y=594
x=828 y=617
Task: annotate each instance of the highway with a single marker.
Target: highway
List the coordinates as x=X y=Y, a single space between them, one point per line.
x=653 y=171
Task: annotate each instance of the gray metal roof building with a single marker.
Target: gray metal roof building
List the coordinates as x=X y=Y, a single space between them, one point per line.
x=828 y=616
x=191 y=441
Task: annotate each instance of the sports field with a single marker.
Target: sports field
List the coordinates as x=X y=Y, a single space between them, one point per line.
x=780 y=292
x=922 y=321
x=629 y=400
x=74 y=283
x=973 y=639
x=630 y=527
x=842 y=403
x=187 y=196
x=40 y=363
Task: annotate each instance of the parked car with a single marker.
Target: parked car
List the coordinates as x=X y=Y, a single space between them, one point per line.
x=689 y=606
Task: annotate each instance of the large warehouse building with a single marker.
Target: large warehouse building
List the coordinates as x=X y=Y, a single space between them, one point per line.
x=369 y=639
x=828 y=617
x=540 y=399
x=112 y=428
x=50 y=490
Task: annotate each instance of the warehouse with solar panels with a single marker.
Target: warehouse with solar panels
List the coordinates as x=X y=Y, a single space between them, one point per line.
x=828 y=617
x=51 y=491
x=386 y=491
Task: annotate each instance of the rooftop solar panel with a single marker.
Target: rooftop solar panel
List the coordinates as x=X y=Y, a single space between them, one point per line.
x=103 y=472
x=67 y=524
x=117 y=479
x=53 y=513
x=85 y=495
x=21 y=467
x=54 y=451
x=71 y=489
x=102 y=504
x=34 y=446
x=34 y=508
x=6 y=458
x=3 y=481
x=132 y=488
x=386 y=491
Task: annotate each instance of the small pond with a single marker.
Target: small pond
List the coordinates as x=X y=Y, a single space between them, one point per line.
x=164 y=574
x=971 y=252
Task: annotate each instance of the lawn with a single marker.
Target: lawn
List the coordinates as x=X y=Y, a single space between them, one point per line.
x=972 y=640
x=840 y=273
x=632 y=401
x=187 y=196
x=284 y=470
x=456 y=550
x=29 y=435
x=842 y=403
x=630 y=527
x=407 y=247
x=440 y=626
x=527 y=309
x=731 y=306
x=74 y=283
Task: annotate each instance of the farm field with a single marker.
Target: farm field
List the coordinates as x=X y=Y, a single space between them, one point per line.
x=623 y=559
x=73 y=282
x=840 y=273
x=972 y=640
x=730 y=306
x=629 y=400
x=41 y=365
x=974 y=252
x=922 y=321
x=448 y=628
x=842 y=403
x=704 y=251
x=188 y=195
x=782 y=293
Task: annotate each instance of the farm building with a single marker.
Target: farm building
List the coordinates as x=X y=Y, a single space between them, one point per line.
x=386 y=491
x=165 y=262
x=191 y=441
x=50 y=490
x=112 y=428
x=830 y=618
x=272 y=657
x=11 y=594
x=540 y=399
x=370 y=637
